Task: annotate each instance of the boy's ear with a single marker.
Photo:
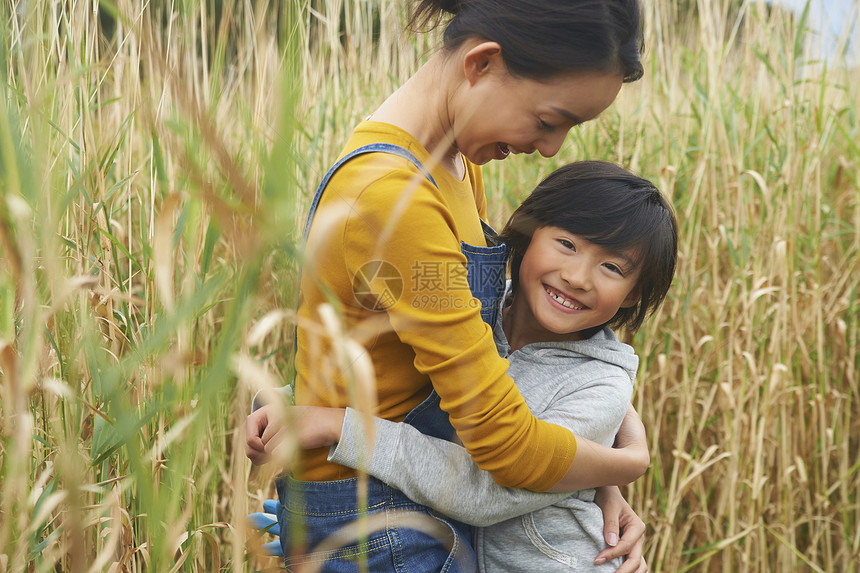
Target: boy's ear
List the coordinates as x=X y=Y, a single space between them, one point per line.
x=482 y=59
x=632 y=298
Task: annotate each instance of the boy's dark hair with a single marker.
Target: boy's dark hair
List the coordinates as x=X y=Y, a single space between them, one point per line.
x=542 y=38
x=609 y=206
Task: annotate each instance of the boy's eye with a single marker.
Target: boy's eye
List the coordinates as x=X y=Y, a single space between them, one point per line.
x=567 y=244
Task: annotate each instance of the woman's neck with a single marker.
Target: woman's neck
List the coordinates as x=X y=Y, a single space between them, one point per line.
x=420 y=107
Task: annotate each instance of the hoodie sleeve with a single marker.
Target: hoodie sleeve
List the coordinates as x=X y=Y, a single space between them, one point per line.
x=442 y=475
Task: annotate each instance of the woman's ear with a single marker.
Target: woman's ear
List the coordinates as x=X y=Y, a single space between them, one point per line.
x=481 y=60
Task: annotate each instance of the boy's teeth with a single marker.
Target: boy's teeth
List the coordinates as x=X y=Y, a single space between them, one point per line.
x=564 y=302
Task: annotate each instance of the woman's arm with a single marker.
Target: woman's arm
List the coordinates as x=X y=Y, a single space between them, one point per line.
x=452 y=344
x=598 y=465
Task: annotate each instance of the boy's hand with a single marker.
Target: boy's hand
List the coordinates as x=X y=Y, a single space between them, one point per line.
x=262 y=428
x=312 y=427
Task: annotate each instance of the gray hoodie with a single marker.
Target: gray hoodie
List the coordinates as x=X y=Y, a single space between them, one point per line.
x=582 y=385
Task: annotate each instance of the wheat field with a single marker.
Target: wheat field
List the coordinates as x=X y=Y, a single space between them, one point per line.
x=156 y=161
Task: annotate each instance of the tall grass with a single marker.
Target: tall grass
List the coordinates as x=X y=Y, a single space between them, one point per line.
x=156 y=159
x=140 y=214
x=751 y=370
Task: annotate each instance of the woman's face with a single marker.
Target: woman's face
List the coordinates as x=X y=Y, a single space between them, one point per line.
x=501 y=114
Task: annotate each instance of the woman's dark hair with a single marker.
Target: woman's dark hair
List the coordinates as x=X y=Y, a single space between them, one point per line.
x=609 y=206
x=542 y=38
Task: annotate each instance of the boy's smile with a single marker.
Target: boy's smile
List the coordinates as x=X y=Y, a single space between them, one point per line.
x=566 y=302
x=567 y=284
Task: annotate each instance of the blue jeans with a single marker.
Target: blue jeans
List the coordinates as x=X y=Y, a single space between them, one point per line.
x=392 y=541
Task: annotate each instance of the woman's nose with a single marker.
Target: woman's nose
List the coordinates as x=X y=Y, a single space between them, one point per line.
x=549 y=145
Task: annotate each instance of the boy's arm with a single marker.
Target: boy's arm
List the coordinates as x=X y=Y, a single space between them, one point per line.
x=432 y=472
x=441 y=474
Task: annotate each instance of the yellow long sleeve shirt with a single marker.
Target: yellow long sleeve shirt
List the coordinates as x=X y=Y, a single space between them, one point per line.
x=414 y=313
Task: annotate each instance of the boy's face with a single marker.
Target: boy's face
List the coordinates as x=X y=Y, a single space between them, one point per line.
x=568 y=284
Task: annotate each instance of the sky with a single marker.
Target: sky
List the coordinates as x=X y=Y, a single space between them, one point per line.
x=830 y=18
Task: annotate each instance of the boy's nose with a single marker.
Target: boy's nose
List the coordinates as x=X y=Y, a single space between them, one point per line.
x=576 y=275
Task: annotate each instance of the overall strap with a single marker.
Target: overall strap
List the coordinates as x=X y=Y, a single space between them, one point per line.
x=371 y=148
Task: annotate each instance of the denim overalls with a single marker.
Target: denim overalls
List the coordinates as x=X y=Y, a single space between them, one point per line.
x=321 y=508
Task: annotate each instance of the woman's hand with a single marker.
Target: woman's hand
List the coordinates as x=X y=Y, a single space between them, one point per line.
x=312 y=427
x=619 y=518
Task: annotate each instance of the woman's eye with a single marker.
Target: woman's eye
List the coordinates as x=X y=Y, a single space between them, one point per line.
x=544 y=125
